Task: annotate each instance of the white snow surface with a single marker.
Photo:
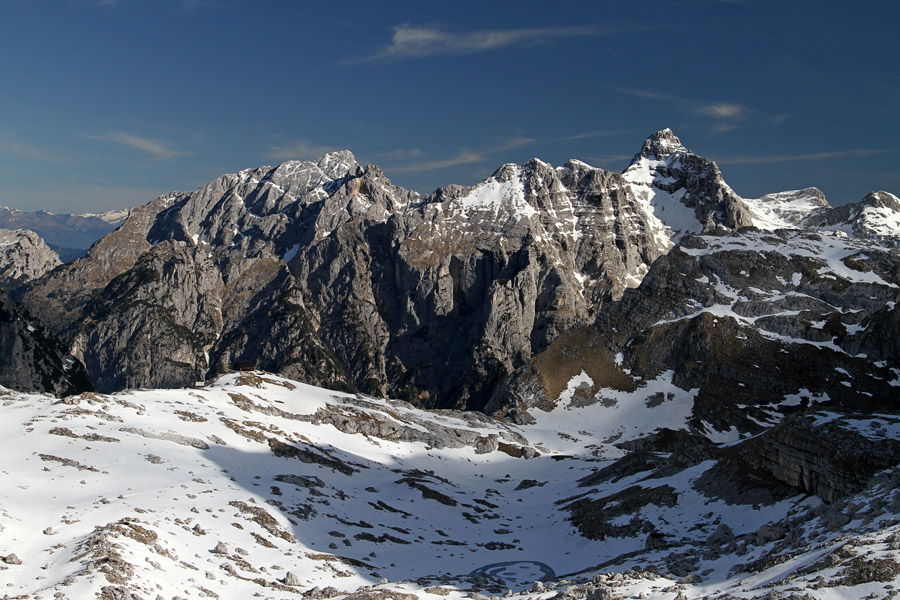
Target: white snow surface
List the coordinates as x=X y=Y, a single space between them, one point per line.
x=667 y=217
x=795 y=209
x=497 y=197
x=222 y=491
x=783 y=210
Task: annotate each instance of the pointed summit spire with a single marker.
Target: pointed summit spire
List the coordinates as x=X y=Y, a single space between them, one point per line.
x=661 y=144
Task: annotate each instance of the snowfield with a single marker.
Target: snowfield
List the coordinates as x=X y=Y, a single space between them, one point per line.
x=257 y=486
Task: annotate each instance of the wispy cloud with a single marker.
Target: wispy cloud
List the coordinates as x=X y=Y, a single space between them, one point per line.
x=297 y=150
x=638 y=93
x=19 y=149
x=594 y=134
x=410 y=41
x=723 y=110
x=781 y=158
x=725 y=115
x=464 y=156
x=156 y=148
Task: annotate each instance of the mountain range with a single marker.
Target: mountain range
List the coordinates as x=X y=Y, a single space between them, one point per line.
x=604 y=385
x=327 y=273
x=68 y=235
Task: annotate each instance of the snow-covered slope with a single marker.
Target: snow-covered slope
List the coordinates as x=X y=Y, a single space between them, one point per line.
x=259 y=486
x=785 y=210
x=681 y=193
x=875 y=218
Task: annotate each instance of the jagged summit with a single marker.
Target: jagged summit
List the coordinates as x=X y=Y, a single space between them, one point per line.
x=325 y=271
x=660 y=145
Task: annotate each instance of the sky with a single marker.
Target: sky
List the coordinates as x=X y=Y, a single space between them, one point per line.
x=106 y=104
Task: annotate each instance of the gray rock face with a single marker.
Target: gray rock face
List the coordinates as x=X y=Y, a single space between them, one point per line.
x=23 y=256
x=686 y=192
x=749 y=321
x=328 y=273
x=819 y=454
x=32 y=360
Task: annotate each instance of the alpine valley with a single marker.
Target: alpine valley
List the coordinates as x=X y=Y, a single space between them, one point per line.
x=562 y=382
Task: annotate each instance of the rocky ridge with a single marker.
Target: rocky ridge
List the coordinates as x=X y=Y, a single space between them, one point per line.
x=342 y=279
x=750 y=316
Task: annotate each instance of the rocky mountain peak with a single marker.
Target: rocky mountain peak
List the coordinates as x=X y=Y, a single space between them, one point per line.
x=23 y=256
x=325 y=271
x=882 y=199
x=680 y=191
x=507 y=172
x=660 y=145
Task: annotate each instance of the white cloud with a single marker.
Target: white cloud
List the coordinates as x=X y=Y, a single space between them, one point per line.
x=416 y=41
x=157 y=148
x=726 y=115
x=637 y=93
x=723 y=110
x=21 y=150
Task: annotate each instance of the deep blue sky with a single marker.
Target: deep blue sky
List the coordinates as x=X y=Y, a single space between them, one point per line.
x=108 y=103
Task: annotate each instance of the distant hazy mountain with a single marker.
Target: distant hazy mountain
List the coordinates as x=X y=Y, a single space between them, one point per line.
x=65 y=232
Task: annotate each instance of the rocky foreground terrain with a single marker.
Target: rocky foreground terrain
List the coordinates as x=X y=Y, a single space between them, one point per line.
x=257 y=486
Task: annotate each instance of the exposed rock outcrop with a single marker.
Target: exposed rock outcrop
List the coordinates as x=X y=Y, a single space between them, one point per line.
x=23 y=256
x=752 y=326
x=32 y=359
x=822 y=454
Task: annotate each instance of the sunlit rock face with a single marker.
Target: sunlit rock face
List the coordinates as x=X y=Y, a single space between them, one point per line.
x=326 y=272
